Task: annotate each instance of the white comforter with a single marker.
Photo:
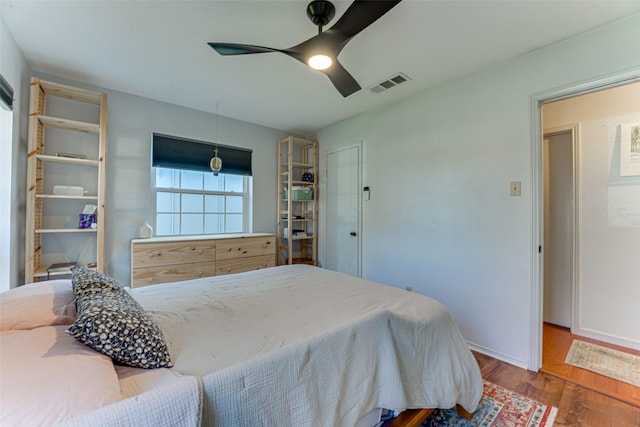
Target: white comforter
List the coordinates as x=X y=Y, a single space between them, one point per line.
x=303 y=346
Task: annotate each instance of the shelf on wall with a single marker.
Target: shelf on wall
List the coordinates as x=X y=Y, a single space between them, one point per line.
x=61 y=197
x=296 y=158
x=66 y=160
x=41 y=151
x=68 y=124
x=66 y=230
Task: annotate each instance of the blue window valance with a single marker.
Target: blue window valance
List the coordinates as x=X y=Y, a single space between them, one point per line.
x=183 y=153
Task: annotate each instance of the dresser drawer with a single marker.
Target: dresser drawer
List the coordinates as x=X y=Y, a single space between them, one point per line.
x=162 y=260
x=231 y=266
x=172 y=273
x=244 y=247
x=163 y=253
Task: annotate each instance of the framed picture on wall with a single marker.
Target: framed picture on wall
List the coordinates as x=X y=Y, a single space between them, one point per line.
x=630 y=149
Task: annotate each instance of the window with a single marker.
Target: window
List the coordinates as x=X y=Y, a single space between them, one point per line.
x=196 y=202
x=6 y=180
x=189 y=199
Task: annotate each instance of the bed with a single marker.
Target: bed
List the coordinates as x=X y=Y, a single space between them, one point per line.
x=291 y=345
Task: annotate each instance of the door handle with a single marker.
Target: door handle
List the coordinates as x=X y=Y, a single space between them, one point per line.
x=353 y=233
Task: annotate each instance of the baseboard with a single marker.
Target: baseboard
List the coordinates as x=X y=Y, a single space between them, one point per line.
x=502 y=357
x=608 y=338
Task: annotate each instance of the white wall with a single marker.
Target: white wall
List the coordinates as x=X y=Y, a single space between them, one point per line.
x=439 y=164
x=609 y=209
x=131 y=120
x=14 y=69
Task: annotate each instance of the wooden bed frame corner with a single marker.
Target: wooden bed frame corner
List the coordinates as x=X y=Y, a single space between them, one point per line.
x=415 y=417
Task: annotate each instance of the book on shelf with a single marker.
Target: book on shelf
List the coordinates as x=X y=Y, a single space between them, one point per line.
x=61 y=267
x=72 y=155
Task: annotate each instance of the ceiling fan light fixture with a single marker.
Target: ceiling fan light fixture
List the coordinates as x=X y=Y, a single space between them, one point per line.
x=360 y=14
x=320 y=62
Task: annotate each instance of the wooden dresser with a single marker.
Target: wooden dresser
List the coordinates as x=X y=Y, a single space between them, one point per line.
x=171 y=259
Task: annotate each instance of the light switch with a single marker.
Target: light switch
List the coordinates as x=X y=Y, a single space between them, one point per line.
x=514 y=188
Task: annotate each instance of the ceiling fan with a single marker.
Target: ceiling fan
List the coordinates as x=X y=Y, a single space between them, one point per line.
x=321 y=51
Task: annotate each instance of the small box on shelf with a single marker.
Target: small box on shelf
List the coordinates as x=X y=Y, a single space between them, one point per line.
x=299 y=193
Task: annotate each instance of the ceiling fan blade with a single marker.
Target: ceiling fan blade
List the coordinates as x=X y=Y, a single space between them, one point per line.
x=360 y=15
x=239 y=49
x=341 y=79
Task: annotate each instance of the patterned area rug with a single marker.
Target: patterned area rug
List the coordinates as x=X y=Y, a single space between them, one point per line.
x=498 y=407
x=605 y=361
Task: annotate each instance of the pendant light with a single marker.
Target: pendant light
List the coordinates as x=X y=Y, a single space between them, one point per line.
x=216 y=162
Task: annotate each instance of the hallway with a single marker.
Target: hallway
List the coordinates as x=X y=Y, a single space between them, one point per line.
x=556 y=342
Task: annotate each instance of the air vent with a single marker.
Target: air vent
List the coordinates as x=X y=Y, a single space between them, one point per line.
x=389 y=83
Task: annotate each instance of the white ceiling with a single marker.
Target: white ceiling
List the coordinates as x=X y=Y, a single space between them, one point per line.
x=158 y=50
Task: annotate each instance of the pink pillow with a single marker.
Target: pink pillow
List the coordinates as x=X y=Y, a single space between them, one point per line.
x=38 y=304
x=47 y=377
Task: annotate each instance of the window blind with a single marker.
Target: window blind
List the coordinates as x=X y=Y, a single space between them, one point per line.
x=6 y=94
x=182 y=153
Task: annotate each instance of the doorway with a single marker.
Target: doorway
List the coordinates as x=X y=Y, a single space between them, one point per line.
x=591 y=137
x=343 y=210
x=559 y=219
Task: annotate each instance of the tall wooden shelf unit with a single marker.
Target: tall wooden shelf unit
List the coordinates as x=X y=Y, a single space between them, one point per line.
x=297 y=210
x=52 y=233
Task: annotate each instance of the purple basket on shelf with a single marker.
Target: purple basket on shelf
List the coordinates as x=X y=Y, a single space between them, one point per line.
x=87 y=220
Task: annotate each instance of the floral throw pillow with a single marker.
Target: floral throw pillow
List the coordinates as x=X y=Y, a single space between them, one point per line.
x=84 y=280
x=111 y=322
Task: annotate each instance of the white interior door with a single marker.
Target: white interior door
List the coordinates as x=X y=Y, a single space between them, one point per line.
x=557 y=154
x=343 y=203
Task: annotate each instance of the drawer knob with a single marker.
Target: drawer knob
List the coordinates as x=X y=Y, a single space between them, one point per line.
x=230 y=249
x=200 y=252
x=150 y=280
x=199 y=273
x=152 y=255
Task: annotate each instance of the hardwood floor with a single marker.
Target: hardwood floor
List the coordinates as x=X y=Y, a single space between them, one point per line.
x=556 y=343
x=577 y=405
x=583 y=398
